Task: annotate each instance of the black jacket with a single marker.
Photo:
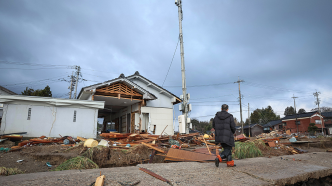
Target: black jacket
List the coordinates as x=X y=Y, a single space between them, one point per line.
x=224 y=126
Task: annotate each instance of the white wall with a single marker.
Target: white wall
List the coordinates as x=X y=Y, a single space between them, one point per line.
x=162 y=101
x=3 y=93
x=49 y=121
x=160 y=117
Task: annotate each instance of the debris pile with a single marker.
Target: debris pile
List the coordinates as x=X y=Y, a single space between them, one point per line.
x=125 y=149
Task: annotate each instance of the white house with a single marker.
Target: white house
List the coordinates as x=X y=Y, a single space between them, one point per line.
x=50 y=117
x=4 y=91
x=133 y=103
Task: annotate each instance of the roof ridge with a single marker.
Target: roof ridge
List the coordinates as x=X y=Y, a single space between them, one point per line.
x=7 y=90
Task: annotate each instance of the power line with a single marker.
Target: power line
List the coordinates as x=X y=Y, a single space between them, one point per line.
x=212 y=101
x=202 y=85
x=171 y=61
x=272 y=87
x=32 y=64
x=211 y=97
x=56 y=77
x=214 y=105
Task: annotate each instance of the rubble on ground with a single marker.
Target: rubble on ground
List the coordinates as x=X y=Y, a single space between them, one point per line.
x=125 y=149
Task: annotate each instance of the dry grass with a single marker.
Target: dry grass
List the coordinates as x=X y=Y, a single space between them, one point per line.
x=78 y=162
x=9 y=171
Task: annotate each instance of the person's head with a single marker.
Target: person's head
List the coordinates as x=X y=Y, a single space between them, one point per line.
x=224 y=107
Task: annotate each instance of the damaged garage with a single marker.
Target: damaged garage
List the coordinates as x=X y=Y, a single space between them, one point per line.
x=133 y=104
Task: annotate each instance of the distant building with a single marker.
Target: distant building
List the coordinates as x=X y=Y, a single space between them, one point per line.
x=328 y=121
x=253 y=129
x=273 y=125
x=303 y=121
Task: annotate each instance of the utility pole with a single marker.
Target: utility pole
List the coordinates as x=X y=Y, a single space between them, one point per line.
x=297 y=126
x=240 y=97
x=71 y=85
x=78 y=70
x=185 y=110
x=316 y=94
x=249 y=119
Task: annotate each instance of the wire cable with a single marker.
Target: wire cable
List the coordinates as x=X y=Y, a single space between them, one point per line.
x=171 y=61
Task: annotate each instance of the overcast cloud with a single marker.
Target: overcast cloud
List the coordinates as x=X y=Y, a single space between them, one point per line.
x=279 y=48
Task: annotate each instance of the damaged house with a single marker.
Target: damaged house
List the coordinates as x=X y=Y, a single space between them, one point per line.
x=4 y=91
x=133 y=103
x=45 y=116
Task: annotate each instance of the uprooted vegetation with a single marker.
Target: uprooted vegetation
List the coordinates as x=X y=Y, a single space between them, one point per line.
x=248 y=149
x=78 y=162
x=10 y=171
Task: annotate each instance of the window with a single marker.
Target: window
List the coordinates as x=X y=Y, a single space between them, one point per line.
x=318 y=121
x=280 y=126
x=29 y=113
x=74 y=120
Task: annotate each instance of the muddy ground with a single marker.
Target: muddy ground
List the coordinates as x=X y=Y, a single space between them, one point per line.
x=35 y=157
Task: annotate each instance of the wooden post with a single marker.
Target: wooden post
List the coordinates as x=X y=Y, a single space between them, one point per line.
x=207 y=145
x=93 y=97
x=140 y=120
x=119 y=96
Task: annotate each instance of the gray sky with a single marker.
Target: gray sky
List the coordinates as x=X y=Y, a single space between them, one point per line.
x=278 y=47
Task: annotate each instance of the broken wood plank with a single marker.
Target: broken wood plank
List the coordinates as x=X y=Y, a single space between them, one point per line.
x=207 y=146
x=163 y=130
x=188 y=155
x=80 y=138
x=100 y=181
x=155 y=175
x=154 y=148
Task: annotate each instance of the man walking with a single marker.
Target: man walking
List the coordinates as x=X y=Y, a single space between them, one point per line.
x=224 y=126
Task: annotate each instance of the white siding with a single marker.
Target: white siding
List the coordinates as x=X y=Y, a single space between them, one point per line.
x=49 y=121
x=163 y=100
x=161 y=117
x=3 y=93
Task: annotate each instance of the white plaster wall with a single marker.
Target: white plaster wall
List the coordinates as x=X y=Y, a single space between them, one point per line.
x=3 y=93
x=162 y=101
x=160 y=117
x=49 y=121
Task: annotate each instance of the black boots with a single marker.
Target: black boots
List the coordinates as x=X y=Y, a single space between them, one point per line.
x=219 y=159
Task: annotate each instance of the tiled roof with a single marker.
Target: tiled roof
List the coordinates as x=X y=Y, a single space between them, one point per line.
x=7 y=91
x=327 y=114
x=303 y=115
x=247 y=126
x=272 y=123
x=137 y=74
x=120 y=77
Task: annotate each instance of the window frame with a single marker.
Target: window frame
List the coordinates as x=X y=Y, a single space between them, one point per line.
x=75 y=116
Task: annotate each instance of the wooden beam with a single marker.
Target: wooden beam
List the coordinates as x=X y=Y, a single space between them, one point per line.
x=140 y=119
x=121 y=97
x=154 y=148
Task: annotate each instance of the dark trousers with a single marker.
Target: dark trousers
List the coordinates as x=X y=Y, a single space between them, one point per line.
x=227 y=150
